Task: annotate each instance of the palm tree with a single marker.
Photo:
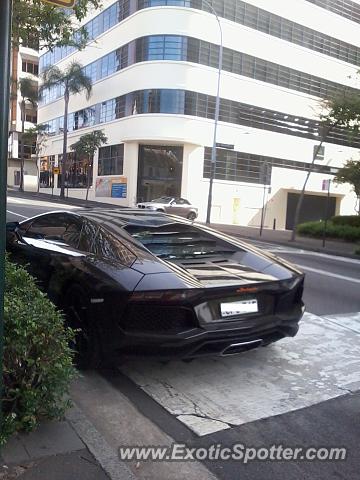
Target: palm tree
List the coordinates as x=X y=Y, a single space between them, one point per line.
x=86 y=146
x=29 y=94
x=73 y=81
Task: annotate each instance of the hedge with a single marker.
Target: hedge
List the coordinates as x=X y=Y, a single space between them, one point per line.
x=37 y=365
x=316 y=229
x=351 y=220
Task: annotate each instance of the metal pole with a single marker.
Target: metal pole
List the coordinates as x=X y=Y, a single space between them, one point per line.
x=262 y=211
x=326 y=212
x=263 y=172
x=5 y=42
x=216 y=119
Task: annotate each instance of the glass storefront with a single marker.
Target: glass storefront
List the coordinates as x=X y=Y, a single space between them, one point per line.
x=77 y=171
x=46 y=167
x=159 y=172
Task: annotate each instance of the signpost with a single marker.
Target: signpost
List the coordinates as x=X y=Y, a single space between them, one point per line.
x=326 y=186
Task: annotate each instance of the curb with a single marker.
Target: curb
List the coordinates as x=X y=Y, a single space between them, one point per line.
x=98 y=446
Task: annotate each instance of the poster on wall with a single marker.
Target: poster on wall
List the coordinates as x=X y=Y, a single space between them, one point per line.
x=114 y=187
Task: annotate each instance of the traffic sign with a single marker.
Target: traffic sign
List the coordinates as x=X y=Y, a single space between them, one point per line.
x=61 y=3
x=325 y=184
x=56 y=171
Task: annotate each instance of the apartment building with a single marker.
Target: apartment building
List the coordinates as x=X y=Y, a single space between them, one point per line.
x=154 y=64
x=24 y=64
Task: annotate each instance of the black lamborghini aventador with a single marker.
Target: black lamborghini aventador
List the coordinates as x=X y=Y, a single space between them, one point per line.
x=138 y=283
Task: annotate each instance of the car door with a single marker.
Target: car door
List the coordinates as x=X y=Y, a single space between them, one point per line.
x=180 y=207
x=45 y=242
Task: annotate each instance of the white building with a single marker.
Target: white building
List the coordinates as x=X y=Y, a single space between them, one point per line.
x=24 y=64
x=154 y=68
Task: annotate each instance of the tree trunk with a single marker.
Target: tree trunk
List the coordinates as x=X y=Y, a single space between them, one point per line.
x=64 y=157
x=89 y=176
x=302 y=194
x=22 y=146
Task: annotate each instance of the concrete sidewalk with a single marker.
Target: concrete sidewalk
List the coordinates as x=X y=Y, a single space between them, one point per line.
x=283 y=237
x=71 y=449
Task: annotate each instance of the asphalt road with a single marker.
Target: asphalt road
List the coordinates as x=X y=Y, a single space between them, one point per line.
x=299 y=392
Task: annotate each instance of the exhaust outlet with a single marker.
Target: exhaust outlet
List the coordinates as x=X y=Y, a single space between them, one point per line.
x=236 y=348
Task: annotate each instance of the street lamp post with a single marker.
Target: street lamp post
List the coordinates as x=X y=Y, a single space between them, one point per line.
x=216 y=119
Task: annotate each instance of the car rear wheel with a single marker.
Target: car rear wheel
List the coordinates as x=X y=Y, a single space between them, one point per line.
x=86 y=342
x=191 y=216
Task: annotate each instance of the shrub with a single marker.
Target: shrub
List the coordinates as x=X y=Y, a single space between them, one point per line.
x=316 y=229
x=357 y=251
x=352 y=220
x=37 y=357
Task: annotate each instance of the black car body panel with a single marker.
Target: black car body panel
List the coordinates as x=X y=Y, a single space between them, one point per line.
x=160 y=286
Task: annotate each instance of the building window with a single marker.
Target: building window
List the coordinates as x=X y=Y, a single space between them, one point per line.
x=29 y=149
x=345 y=8
x=244 y=167
x=32 y=118
x=183 y=102
x=30 y=67
x=170 y=47
x=239 y=12
x=111 y=160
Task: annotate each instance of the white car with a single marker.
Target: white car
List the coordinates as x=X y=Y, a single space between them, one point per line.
x=172 y=205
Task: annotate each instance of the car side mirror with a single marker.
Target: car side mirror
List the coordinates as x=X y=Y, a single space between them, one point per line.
x=12 y=232
x=12 y=226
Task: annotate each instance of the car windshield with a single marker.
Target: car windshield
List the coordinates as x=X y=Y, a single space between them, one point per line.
x=178 y=241
x=162 y=200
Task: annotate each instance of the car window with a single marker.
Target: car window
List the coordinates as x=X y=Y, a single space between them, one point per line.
x=177 y=241
x=108 y=246
x=87 y=236
x=181 y=201
x=56 y=227
x=162 y=200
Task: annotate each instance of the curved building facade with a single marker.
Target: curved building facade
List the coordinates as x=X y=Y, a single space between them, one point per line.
x=154 y=64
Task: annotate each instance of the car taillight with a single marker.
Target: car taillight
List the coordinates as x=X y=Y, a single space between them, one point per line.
x=169 y=296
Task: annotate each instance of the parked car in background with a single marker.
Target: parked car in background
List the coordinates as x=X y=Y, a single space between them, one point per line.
x=172 y=205
x=140 y=283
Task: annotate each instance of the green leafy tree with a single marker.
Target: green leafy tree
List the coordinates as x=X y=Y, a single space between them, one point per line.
x=350 y=173
x=29 y=94
x=51 y=26
x=73 y=81
x=86 y=146
x=342 y=110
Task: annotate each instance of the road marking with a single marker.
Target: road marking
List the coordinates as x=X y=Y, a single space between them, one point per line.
x=329 y=274
x=18 y=214
x=41 y=203
x=318 y=254
x=217 y=393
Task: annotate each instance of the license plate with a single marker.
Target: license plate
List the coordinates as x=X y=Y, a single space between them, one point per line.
x=239 y=308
